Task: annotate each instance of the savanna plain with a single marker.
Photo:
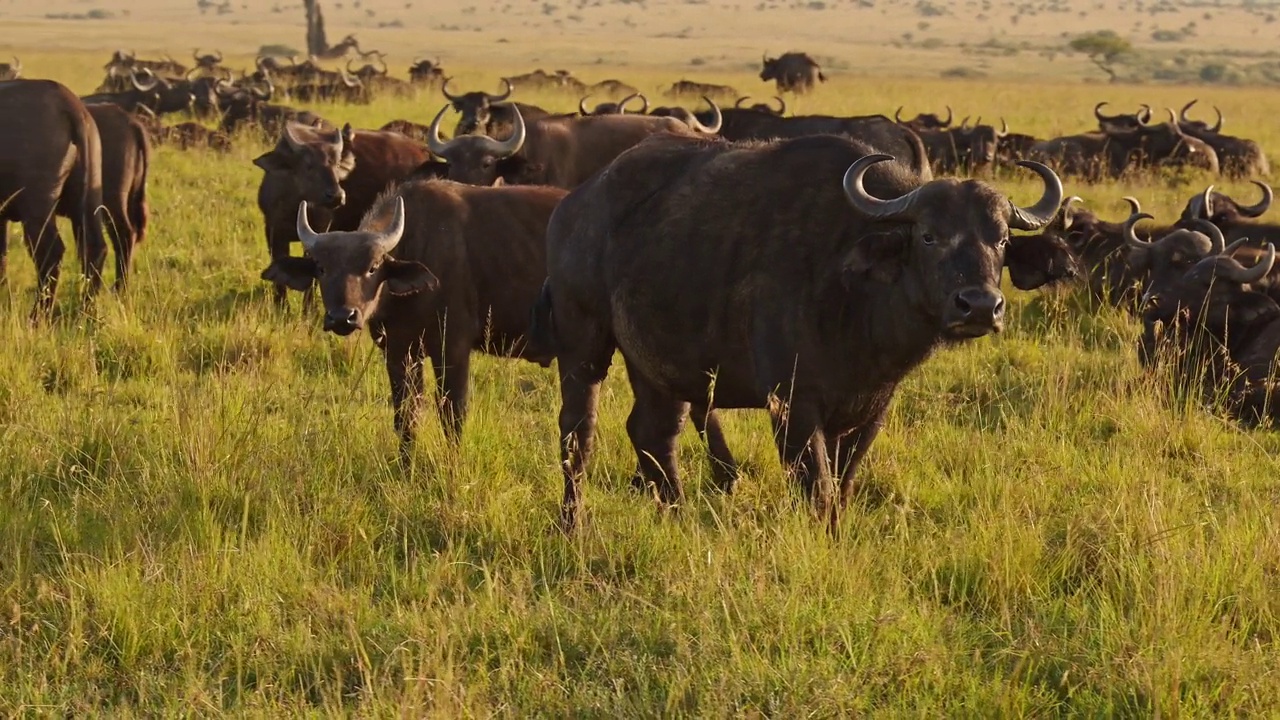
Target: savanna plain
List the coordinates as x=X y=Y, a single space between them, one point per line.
x=201 y=511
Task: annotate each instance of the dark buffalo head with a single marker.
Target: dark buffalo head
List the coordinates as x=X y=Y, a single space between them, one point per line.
x=1168 y=258
x=1222 y=210
x=924 y=121
x=425 y=71
x=317 y=161
x=763 y=107
x=979 y=143
x=474 y=107
x=612 y=108
x=369 y=71
x=355 y=269
x=478 y=159
x=1123 y=121
x=952 y=242
x=711 y=125
x=1197 y=125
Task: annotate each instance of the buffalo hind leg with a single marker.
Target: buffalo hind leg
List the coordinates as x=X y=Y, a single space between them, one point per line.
x=452 y=373
x=404 y=370
x=47 y=250
x=724 y=468
x=654 y=426
x=580 y=378
x=849 y=451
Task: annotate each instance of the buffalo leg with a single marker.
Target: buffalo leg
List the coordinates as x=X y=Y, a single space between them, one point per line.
x=654 y=425
x=91 y=246
x=724 y=468
x=802 y=446
x=122 y=246
x=404 y=370
x=452 y=373
x=47 y=250
x=579 y=396
x=849 y=451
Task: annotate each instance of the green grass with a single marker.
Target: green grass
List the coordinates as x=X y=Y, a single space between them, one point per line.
x=201 y=511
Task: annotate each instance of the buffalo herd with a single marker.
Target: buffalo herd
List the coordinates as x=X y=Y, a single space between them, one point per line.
x=734 y=256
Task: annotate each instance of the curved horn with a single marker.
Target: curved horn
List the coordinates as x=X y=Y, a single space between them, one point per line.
x=897 y=115
x=445 y=89
x=219 y=56
x=1173 y=122
x=1004 y=129
x=389 y=238
x=1143 y=116
x=289 y=129
x=437 y=146
x=133 y=78
x=1040 y=214
x=964 y=124
x=1263 y=205
x=17 y=64
x=947 y=123
x=1214 y=233
x=1131 y=238
x=582 y=105
x=258 y=61
x=1182 y=116
x=511 y=145
x=738 y=104
x=1066 y=211
x=1218 y=125
x=782 y=106
x=195 y=55
x=1206 y=202
x=715 y=125
x=1097 y=111
x=1135 y=207
x=349 y=61
x=622 y=104
x=1240 y=242
x=306 y=235
x=503 y=96
x=874 y=207
x=1234 y=272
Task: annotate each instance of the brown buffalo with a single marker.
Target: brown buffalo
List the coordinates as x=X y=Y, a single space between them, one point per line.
x=437 y=269
x=792 y=72
x=780 y=111
x=52 y=149
x=126 y=160
x=1239 y=157
x=340 y=173
x=839 y=294
x=1123 y=121
x=924 y=121
x=1112 y=154
x=613 y=108
x=562 y=151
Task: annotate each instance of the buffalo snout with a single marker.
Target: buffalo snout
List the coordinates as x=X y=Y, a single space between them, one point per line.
x=342 y=321
x=334 y=198
x=975 y=311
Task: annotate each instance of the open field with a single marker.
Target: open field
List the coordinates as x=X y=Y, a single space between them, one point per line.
x=200 y=508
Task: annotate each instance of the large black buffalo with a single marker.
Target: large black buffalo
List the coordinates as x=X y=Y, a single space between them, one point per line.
x=840 y=293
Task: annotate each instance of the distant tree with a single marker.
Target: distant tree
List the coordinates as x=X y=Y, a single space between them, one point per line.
x=1104 y=48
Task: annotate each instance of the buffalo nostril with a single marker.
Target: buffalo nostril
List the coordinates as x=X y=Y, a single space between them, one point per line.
x=963 y=305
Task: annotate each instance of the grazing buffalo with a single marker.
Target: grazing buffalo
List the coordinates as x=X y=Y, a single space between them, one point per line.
x=1111 y=154
x=126 y=160
x=1123 y=121
x=1239 y=157
x=792 y=72
x=562 y=151
x=1222 y=332
x=485 y=114
x=694 y=90
x=924 y=121
x=839 y=294
x=613 y=108
x=436 y=269
x=762 y=107
x=11 y=72
x=50 y=163
x=340 y=173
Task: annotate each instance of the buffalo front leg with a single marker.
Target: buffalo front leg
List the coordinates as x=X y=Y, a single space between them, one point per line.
x=404 y=369
x=654 y=425
x=802 y=446
x=724 y=469
x=849 y=451
x=452 y=373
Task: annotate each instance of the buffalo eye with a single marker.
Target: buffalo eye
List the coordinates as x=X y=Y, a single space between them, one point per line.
x=928 y=239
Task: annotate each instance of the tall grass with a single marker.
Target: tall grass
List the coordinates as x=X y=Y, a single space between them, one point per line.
x=201 y=510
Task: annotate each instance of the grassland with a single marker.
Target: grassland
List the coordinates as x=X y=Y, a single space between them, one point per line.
x=201 y=513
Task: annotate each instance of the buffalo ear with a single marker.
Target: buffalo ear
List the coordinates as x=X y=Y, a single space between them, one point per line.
x=271 y=161
x=1038 y=260
x=293 y=272
x=408 y=278
x=876 y=256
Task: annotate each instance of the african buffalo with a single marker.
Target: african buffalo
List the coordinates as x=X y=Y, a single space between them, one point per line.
x=52 y=149
x=562 y=151
x=126 y=160
x=969 y=148
x=1123 y=121
x=1235 y=220
x=762 y=107
x=1111 y=154
x=691 y=119
x=426 y=72
x=485 y=114
x=924 y=121
x=613 y=108
x=340 y=173
x=1239 y=157
x=694 y=90
x=614 y=88
x=437 y=269
x=836 y=298
x=792 y=72
x=1099 y=250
